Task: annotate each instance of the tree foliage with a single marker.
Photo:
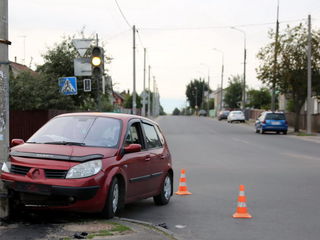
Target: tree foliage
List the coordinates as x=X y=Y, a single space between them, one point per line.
x=291 y=69
x=195 y=92
x=259 y=99
x=41 y=91
x=233 y=93
x=176 y=112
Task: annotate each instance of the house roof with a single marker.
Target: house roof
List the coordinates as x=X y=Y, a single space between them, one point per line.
x=19 y=68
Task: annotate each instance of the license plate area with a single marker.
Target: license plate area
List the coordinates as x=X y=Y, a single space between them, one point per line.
x=32 y=188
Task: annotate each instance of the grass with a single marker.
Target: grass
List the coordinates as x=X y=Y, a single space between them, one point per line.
x=303 y=134
x=115 y=230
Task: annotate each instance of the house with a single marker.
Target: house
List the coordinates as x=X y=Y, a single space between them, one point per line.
x=17 y=68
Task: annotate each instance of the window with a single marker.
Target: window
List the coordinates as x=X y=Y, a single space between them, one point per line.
x=275 y=116
x=134 y=135
x=152 y=138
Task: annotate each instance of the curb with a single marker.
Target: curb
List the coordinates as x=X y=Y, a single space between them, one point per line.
x=162 y=230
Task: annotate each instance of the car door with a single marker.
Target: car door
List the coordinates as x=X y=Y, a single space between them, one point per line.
x=158 y=155
x=136 y=165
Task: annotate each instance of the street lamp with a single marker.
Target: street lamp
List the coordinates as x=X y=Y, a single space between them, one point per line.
x=203 y=64
x=222 y=70
x=244 y=66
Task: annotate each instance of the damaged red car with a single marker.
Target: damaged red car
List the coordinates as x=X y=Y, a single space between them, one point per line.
x=89 y=162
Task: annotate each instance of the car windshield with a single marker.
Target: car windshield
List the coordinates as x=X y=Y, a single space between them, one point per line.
x=275 y=116
x=79 y=130
x=237 y=113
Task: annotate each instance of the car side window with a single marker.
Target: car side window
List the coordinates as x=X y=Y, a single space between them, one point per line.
x=152 y=138
x=134 y=135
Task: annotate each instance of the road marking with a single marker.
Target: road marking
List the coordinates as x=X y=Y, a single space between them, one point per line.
x=300 y=156
x=240 y=140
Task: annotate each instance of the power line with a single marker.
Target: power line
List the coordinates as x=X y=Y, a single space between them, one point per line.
x=218 y=27
x=122 y=14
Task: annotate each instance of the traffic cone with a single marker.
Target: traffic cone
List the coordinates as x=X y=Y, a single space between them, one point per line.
x=242 y=211
x=183 y=189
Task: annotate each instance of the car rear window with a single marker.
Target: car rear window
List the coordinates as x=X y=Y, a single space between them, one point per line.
x=275 y=116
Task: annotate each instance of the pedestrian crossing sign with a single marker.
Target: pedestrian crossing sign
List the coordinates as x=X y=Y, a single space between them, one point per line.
x=68 y=85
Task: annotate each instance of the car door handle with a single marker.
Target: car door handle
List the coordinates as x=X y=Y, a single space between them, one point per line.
x=148 y=158
x=162 y=157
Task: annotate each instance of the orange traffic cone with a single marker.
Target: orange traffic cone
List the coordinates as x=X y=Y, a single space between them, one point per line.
x=242 y=211
x=183 y=190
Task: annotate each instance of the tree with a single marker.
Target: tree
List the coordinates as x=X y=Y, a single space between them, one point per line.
x=259 y=99
x=291 y=68
x=162 y=112
x=176 y=112
x=33 y=91
x=195 y=92
x=59 y=63
x=128 y=101
x=233 y=93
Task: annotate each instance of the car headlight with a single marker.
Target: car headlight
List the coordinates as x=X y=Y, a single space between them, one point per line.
x=6 y=166
x=86 y=169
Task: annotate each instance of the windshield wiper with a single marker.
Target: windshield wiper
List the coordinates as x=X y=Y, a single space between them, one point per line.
x=66 y=143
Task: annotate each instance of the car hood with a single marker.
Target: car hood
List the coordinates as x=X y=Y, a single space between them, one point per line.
x=61 y=152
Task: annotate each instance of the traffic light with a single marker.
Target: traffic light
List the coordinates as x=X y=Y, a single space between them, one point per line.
x=97 y=61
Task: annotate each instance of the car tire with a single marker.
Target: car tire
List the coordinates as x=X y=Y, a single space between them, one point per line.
x=112 y=205
x=166 y=192
x=257 y=131
x=278 y=132
x=284 y=132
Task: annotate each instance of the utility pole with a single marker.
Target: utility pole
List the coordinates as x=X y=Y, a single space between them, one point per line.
x=221 y=92
x=134 y=103
x=154 y=97
x=149 y=92
x=144 y=85
x=4 y=100
x=273 y=97
x=244 y=66
x=309 y=99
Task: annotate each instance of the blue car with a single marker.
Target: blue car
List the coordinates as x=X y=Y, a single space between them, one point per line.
x=271 y=121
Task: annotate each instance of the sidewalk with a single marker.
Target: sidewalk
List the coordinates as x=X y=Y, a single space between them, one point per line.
x=98 y=230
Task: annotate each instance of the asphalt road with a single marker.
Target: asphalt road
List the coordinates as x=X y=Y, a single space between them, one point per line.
x=281 y=175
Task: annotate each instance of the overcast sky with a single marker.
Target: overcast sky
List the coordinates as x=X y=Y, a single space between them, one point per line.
x=179 y=36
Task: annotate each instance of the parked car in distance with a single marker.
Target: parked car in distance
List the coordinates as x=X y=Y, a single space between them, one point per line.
x=89 y=162
x=271 y=121
x=202 y=113
x=223 y=114
x=236 y=116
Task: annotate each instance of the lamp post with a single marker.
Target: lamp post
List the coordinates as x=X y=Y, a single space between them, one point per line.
x=222 y=70
x=244 y=66
x=208 y=86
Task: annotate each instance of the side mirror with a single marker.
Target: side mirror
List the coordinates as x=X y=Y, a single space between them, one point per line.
x=16 y=142
x=132 y=148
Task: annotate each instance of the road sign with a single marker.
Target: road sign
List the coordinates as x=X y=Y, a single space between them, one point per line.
x=68 y=85
x=82 y=67
x=82 y=45
x=87 y=85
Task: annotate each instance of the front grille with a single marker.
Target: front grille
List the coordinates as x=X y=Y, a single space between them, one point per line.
x=52 y=173
x=21 y=170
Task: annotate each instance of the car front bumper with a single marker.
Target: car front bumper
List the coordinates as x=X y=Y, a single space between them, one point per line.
x=84 y=195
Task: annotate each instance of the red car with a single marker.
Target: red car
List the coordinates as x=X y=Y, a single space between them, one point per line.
x=90 y=162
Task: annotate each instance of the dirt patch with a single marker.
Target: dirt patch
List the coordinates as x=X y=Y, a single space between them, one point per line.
x=94 y=226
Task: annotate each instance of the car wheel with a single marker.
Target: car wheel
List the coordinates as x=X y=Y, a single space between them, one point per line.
x=112 y=205
x=257 y=131
x=164 y=197
x=285 y=132
x=278 y=132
